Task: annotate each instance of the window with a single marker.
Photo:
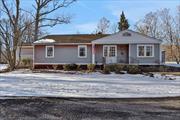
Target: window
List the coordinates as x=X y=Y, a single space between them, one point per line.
x=149 y=51
x=141 y=51
x=145 y=51
x=49 y=51
x=112 y=51
x=109 y=51
x=105 y=51
x=82 y=51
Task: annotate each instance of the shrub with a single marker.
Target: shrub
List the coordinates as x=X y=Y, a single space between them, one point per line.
x=60 y=67
x=133 y=69
x=26 y=62
x=78 y=67
x=115 y=67
x=55 y=67
x=126 y=67
x=70 y=67
x=149 y=68
x=112 y=67
x=119 y=72
x=163 y=69
x=106 y=70
x=82 y=67
x=119 y=69
x=91 y=67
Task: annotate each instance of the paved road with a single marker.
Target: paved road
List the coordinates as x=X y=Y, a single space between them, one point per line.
x=26 y=108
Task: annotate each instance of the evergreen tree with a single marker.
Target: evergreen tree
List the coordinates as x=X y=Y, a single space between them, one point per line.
x=123 y=24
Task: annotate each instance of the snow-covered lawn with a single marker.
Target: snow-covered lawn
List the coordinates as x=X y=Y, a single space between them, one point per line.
x=25 y=83
x=3 y=66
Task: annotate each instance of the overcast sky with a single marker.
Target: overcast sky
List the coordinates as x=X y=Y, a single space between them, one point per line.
x=86 y=13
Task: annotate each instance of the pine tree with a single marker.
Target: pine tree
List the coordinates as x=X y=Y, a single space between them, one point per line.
x=123 y=24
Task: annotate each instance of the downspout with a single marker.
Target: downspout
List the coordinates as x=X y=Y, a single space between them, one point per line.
x=33 y=56
x=129 y=53
x=93 y=53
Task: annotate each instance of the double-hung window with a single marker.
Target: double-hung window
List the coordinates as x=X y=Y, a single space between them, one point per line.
x=145 y=51
x=49 y=51
x=82 y=51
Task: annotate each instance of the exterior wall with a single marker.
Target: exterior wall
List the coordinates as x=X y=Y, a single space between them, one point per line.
x=144 y=60
x=67 y=54
x=63 y=54
x=122 y=54
x=98 y=54
x=26 y=52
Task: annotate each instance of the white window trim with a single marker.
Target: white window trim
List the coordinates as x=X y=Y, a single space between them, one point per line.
x=145 y=51
x=33 y=55
x=85 y=46
x=46 y=52
x=129 y=53
x=108 y=49
x=104 y=49
x=160 y=55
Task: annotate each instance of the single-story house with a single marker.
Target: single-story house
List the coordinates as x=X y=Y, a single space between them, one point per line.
x=125 y=47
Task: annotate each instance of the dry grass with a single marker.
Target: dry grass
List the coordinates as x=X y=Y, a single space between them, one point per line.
x=169 y=73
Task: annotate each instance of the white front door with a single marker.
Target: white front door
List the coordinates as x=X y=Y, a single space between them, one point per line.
x=110 y=53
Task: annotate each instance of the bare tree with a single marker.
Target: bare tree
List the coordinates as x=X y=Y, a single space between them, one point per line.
x=103 y=26
x=149 y=25
x=167 y=22
x=0 y=51
x=43 y=10
x=16 y=27
x=163 y=25
x=11 y=30
x=177 y=35
x=114 y=28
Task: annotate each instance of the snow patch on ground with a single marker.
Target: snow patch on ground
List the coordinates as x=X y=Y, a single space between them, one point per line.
x=26 y=83
x=173 y=64
x=3 y=66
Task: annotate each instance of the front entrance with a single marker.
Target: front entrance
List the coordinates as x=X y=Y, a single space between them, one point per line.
x=110 y=54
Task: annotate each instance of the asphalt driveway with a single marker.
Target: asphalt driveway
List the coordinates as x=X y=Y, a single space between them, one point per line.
x=35 y=108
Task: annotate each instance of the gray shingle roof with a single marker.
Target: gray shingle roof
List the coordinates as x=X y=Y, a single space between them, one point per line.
x=79 y=38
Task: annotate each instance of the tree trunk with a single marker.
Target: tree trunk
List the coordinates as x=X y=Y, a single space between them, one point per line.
x=36 y=31
x=0 y=52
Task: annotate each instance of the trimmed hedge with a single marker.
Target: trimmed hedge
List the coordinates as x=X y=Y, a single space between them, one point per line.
x=134 y=69
x=106 y=70
x=118 y=68
x=70 y=67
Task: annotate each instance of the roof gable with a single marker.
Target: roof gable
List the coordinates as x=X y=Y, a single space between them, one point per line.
x=126 y=37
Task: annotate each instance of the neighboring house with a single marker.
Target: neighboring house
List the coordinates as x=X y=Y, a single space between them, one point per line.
x=125 y=47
